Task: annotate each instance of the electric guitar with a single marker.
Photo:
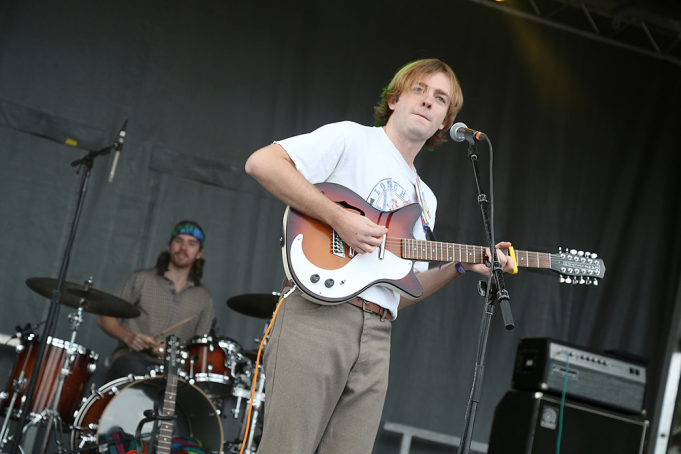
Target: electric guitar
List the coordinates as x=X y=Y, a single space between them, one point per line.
x=327 y=271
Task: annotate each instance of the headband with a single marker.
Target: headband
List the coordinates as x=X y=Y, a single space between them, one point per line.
x=188 y=229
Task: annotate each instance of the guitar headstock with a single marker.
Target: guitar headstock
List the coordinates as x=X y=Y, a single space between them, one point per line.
x=173 y=355
x=578 y=267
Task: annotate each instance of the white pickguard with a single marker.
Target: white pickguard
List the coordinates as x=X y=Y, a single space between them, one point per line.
x=358 y=273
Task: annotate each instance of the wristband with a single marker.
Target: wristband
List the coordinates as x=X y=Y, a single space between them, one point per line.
x=459 y=267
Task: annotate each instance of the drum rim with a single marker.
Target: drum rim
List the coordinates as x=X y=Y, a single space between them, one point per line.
x=139 y=379
x=64 y=345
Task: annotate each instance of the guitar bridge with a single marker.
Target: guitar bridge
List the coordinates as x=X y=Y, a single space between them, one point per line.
x=337 y=245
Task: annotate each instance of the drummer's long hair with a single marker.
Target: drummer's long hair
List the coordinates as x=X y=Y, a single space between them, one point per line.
x=195 y=274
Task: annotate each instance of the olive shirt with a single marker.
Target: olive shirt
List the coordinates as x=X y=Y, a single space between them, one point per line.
x=161 y=307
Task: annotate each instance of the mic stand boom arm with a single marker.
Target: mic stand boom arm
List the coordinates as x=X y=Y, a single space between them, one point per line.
x=497 y=290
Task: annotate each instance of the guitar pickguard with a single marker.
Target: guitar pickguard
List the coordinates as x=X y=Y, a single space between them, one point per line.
x=359 y=273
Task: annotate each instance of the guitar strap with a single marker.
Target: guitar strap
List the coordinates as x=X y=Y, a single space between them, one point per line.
x=426 y=216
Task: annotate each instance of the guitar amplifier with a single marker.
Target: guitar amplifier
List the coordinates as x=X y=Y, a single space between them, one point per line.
x=541 y=364
x=529 y=422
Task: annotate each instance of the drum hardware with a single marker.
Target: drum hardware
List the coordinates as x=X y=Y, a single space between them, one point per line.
x=17 y=385
x=84 y=164
x=254 y=398
x=54 y=420
x=64 y=359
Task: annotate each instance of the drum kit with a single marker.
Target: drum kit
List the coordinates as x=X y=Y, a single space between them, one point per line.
x=215 y=374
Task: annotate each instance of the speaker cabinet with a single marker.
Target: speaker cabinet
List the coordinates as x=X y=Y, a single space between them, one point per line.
x=527 y=422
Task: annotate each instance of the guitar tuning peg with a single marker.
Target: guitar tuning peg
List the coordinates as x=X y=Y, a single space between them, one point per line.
x=594 y=255
x=588 y=281
x=580 y=253
x=568 y=280
x=582 y=281
x=587 y=254
x=561 y=279
x=573 y=251
x=596 y=282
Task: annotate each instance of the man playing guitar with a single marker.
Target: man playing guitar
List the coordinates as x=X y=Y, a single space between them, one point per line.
x=327 y=365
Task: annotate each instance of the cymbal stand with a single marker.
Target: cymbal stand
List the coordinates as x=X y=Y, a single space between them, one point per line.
x=54 y=420
x=86 y=163
x=258 y=399
x=17 y=385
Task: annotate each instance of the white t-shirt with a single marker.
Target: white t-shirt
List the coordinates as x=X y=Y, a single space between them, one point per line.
x=364 y=160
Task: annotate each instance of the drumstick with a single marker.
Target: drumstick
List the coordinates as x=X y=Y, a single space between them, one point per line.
x=167 y=330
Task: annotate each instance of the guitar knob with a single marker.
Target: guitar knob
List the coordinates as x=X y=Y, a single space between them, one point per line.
x=329 y=283
x=314 y=278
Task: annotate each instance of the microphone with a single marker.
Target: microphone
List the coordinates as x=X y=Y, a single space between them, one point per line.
x=461 y=132
x=117 y=146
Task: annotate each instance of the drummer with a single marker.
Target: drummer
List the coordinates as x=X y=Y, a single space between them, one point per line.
x=166 y=295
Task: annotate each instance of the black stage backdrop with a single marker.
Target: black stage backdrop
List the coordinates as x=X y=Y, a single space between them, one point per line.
x=586 y=138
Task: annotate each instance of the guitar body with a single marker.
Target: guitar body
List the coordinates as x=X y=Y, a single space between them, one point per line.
x=327 y=271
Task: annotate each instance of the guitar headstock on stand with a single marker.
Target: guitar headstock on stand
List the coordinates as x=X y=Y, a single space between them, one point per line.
x=173 y=357
x=577 y=267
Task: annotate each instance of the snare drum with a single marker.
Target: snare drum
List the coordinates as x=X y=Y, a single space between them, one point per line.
x=82 y=366
x=212 y=364
x=120 y=405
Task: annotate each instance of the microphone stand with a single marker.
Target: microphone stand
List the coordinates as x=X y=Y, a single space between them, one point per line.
x=86 y=162
x=494 y=290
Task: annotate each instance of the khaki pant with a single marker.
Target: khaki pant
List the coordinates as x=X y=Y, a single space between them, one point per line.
x=326 y=370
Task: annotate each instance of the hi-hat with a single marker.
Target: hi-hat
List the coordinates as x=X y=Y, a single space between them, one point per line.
x=82 y=295
x=260 y=305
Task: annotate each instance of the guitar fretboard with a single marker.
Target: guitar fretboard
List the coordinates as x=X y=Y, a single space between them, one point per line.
x=436 y=251
x=165 y=433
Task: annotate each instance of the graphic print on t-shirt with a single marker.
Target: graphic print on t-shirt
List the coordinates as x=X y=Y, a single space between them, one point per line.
x=388 y=195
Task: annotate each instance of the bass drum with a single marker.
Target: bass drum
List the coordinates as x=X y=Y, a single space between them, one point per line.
x=119 y=406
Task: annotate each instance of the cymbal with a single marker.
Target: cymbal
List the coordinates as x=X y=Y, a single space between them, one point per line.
x=93 y=300
x=260 y=305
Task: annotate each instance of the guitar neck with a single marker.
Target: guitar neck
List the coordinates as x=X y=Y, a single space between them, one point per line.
x=436 y=251
x=165 y=433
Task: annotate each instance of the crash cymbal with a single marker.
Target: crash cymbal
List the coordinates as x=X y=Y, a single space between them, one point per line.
x=259 y=305
x=82 y=295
